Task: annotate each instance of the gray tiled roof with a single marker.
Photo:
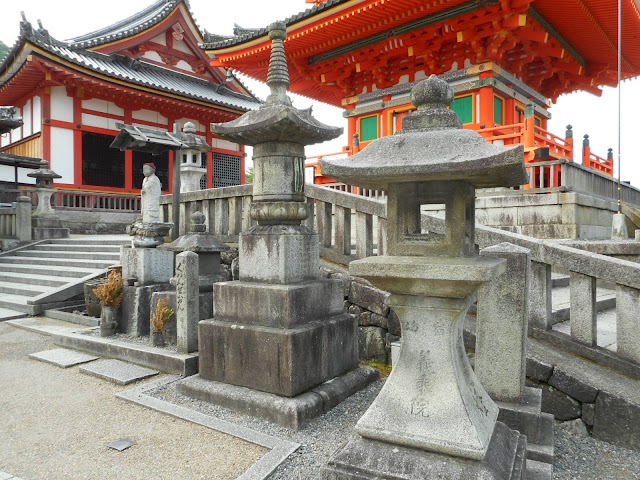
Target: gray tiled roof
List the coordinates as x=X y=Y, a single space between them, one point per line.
x=214 y=42
x=136 y=72
x=129 y=26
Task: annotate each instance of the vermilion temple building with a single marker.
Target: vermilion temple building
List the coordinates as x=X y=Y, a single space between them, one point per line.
x=506 y=60
x=144 y=70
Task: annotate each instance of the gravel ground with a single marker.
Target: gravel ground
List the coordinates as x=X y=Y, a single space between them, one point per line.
x=576 y=457
x=56 y=423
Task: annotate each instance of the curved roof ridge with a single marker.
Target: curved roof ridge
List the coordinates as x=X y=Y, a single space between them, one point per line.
x=246 y=35
x=151 y=15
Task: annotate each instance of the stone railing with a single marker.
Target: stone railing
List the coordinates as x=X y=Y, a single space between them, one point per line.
x=15 y=221
x=352 y=226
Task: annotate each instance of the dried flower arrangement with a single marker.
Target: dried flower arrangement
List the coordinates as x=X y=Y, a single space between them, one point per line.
x=161 y=315
x=110 y=291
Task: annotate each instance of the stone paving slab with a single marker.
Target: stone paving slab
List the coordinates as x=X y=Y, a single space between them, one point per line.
x=63 y=357
x=8 y=314
x=8 y=476
x=115 y=371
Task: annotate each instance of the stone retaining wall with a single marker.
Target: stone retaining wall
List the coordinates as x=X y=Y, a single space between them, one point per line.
x=378 y=325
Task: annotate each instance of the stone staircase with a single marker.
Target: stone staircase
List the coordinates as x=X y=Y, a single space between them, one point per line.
x=52 y=273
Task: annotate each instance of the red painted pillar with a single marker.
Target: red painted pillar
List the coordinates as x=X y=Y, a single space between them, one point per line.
x=486 y=102
x=77 y=142
x=128 y=156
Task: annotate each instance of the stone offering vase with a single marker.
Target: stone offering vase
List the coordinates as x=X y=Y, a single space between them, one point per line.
x=157 y=339
x=109 y=320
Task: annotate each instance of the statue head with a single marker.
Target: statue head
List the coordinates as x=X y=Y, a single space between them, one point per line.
x=148 y=169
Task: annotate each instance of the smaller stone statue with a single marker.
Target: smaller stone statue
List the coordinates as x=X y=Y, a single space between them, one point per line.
x=151 y=191
x=149 y=231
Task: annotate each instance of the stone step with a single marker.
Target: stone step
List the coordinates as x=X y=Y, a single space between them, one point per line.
x=605 y=300
x=539 y=470
x=558 y=280
x=63 y=262
x=43 y=270
x=37 y=279
x=23 y=289
x=75 y=247
x=76 y=254
x=92 y=240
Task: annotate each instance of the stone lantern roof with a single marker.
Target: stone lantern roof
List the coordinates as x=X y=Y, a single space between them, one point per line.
x=197 y=240
x=277 y=120
x=432 y=146
x=44 y=175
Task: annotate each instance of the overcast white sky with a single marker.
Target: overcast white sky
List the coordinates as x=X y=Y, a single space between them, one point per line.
x=597 y=116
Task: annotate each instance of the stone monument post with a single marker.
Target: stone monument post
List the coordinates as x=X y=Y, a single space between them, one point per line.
x=432 y=418
x=280 y=331
x=187 y=301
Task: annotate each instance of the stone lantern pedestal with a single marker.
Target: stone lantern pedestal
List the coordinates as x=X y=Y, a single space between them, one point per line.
x=432 y=418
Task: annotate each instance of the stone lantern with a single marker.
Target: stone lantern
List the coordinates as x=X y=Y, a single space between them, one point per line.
x=44 y=220
x=433 y=418
x=208 y=248
x=190 y=164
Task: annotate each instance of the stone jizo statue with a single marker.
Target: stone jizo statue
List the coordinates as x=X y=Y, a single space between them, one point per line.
x=151 y=191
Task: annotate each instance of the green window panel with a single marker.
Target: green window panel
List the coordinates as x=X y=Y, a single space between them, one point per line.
x=463 y=106
x=498 y=104
x=368 y=128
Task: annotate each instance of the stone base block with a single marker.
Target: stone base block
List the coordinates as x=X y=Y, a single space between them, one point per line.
x=282 y=306
x=283 y=254
x=147 y=265
x=170 y=334
x=285 y=362
x=292 y=413
x=136 y=312
x=45 y=233
x=364 y=459
x=527 y=418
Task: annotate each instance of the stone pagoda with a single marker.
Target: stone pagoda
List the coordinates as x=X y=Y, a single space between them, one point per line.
x=433 y=418
x=280 y=331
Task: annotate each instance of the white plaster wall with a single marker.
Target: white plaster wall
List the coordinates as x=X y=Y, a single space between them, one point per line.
x=161 y=39
x=153 y=56
x=26 y=119
x=181 y=46
x=37 y=114
x=5 y=139
x=95 y=121
x=102 y=106
x=227 y=145
x=182 y=65
x=61 y=105
x=149 y=116
x=16 y=133
x=62 y=153
x=7 y=174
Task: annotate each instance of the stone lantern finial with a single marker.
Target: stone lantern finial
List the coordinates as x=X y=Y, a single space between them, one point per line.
x=278 y=75
x=189 y=127
x=432 y=97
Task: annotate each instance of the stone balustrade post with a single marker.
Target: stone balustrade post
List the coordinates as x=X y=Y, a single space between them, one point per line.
x=628 y=322
x=23 y=219
x=540 y=313
x=502 y=324
x=187 y=301
x=583 y=308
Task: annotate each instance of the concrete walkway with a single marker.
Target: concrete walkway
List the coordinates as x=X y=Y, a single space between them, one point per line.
x=56 y=423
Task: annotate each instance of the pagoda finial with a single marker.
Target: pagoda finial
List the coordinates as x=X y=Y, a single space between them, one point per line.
x=278 y=76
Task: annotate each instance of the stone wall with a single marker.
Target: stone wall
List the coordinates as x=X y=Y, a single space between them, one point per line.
x=568 y=215
x=378 y=325
x=88 y=222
